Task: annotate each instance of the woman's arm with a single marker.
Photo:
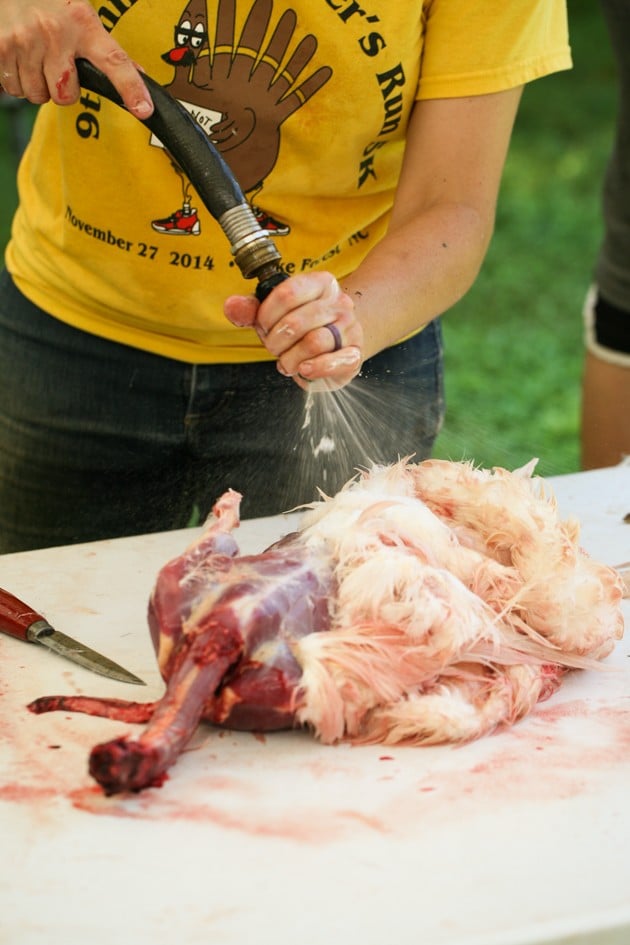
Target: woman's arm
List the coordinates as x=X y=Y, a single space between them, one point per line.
x=443 y=216
x=440 y=229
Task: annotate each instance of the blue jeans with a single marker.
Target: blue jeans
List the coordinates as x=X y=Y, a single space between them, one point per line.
x=100 y=440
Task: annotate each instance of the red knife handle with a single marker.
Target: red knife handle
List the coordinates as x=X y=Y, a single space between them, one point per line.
x=16 y=616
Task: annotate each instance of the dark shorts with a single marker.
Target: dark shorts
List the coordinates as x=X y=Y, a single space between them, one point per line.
x=100 y=440
x=611 y=326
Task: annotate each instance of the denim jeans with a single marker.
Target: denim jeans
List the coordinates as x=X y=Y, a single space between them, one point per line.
x=100 y=440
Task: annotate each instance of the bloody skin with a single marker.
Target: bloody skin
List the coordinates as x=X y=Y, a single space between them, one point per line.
x=222 y=626
x=62 y=84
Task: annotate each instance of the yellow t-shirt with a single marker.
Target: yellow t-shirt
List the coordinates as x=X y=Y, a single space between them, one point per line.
x=308 y=102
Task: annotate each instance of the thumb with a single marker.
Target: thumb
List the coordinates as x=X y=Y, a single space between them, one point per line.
x=241 y=310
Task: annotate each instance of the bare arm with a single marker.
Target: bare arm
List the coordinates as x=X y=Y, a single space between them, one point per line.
x=39 y=41
x=441 y=225
x=443 y=216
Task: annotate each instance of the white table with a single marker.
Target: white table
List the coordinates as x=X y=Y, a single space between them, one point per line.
x=518 y=839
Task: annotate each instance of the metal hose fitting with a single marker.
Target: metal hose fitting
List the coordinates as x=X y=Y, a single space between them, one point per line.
x=251 y=246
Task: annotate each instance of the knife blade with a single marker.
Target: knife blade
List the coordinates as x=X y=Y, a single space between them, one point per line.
x=21 y=621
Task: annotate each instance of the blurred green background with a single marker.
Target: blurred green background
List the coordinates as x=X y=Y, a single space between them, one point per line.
x=514 y=344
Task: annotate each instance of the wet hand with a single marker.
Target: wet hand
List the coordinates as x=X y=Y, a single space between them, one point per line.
x=39 y=42
x=309 y=324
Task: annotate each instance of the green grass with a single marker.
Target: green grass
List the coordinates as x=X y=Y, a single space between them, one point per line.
x=15 y=122
x=514 y=344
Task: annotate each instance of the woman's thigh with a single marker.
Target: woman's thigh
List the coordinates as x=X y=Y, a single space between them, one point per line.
x=87 y=431
x=98 y=440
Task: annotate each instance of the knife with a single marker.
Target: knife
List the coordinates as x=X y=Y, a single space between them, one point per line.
x=21 y=621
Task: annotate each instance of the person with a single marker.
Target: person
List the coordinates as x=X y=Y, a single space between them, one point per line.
x=605 y=427
x=140 y=375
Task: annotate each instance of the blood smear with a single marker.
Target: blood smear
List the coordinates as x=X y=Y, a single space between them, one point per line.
x=62 y=83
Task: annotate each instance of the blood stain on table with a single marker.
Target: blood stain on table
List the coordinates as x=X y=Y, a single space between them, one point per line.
x=538 y=759
x=303 y=826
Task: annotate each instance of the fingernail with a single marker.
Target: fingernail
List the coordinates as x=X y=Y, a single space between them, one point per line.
x=142 y=109
x=306 y=368
x=351 y=357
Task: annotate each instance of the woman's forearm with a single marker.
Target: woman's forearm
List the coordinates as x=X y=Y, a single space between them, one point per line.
x=419 y=270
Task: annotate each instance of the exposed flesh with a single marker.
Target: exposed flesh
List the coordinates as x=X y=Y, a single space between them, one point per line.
x=423 y=603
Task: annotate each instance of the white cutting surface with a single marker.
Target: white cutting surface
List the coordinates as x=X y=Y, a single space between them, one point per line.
x=522 y=837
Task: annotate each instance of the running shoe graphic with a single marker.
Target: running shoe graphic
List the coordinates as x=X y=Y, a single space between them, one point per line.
x=183 y=222
x=269 y=223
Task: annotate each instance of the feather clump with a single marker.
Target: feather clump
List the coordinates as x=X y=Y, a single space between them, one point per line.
x=462 y=599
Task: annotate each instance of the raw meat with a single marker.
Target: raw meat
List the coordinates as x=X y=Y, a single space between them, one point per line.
x=423 y=603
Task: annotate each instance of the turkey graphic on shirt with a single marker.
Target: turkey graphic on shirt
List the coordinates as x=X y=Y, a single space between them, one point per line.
x=240 y=90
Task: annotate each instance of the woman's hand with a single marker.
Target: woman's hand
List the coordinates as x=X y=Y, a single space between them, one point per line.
x=39 y=41
x=309 y=324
